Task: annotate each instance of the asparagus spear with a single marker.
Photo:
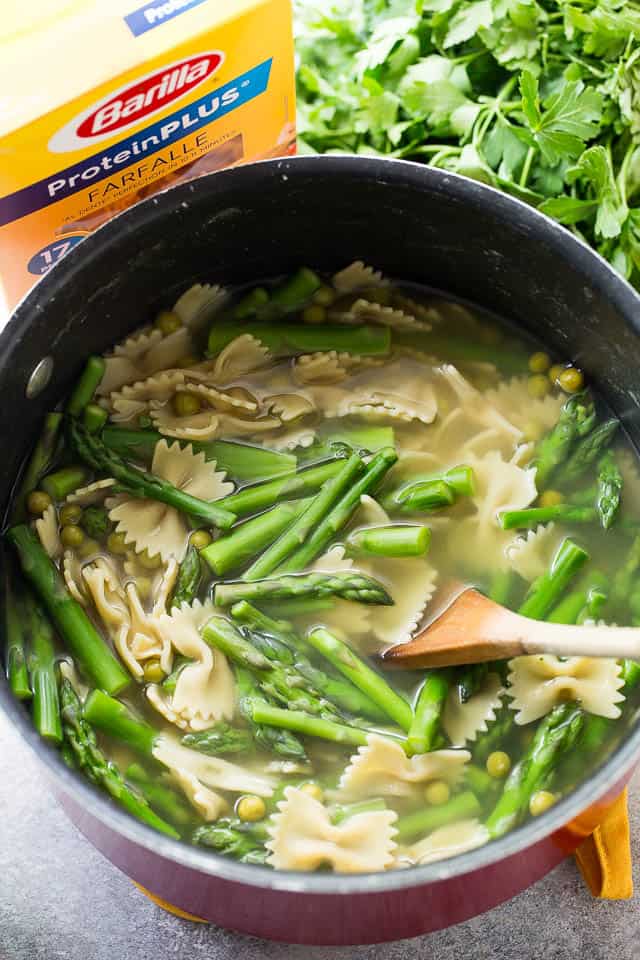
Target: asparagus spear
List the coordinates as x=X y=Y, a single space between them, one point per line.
x=189 y=578
x=428 y=711
x=89 y=758
x=282 y=681
x=431 y=491
x=242 y=461
x=16 y=658
x=300 y=607
x=290 y=339
x=588 y=450
x=101 y=458
x=300 y=529
x=342 y=811
x=362 y=676
x=94 y=417
x=396 y=540
x=41 y=460
x=427 y=819
x=234 y=838
x=218 y=739
x=510 y=358
x=469 y=679
x=95 y=522
x=350 y=585
x=532 y=516
x=111 y=716
x=86 y=386
x=622 y=586
x=341 y=692
x=263 y=495
x=170 y=681
x=74 y=626
x=609 y=490
x=41 y=661
x=576 y=419
x=300 y=722
x=546 y=590
x=555 y=735
x=296 y=289
x=274 y=739
x=246 y=540
x=340 y=513
x=571 y=607
x=250 y=304
x=159 y=796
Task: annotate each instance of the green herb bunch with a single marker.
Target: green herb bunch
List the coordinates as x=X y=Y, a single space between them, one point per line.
x=539 y=99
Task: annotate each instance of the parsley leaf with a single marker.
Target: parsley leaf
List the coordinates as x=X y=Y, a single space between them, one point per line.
x=565 y=121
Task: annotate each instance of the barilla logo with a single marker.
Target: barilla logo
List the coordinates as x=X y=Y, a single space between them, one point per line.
x=135 y=102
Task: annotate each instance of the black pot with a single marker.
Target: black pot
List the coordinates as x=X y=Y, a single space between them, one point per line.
x=416 y=224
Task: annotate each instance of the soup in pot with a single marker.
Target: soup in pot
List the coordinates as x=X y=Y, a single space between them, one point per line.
x=239 y=508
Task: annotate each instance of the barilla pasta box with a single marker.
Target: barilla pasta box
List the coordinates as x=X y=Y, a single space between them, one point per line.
x=103 y=102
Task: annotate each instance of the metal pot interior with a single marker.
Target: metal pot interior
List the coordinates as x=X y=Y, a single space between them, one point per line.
x=413 y=223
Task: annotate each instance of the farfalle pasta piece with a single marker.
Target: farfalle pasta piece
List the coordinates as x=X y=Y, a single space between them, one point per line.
x=289 y=407
x=530 y=554
x=382 y=769
x=201 y=426
x=348 y=618
x=133 y=630
x=356 y=275
x=464 y=721
x=198 y=303
x=221 y=400
x=205 y=689
x=302 y=837
x=243 y=355
x=411 y=581
x=154 y=526
x=499 y=486
x=532 y=415
x=72 y=573
x=400 y=390
x=93 y=493
x=326 y=366
x=368 y=311
x=290 y=439
x=209 y=804
x=539 y=682
x=448 y=841
x=136 y=398
x=140 y=356
x=48 y=532
x=213 y=772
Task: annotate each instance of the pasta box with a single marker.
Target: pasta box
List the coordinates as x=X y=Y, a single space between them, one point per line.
x=104 y=104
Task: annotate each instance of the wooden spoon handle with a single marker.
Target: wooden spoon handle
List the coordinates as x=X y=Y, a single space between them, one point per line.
x=567 y=641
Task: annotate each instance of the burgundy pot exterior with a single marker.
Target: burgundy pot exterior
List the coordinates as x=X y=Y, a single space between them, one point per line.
x=356 y=918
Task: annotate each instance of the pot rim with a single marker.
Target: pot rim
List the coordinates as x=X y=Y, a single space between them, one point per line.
x=413 y=176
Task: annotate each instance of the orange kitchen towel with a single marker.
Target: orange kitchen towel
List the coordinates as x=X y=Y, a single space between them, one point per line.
x=604 y=857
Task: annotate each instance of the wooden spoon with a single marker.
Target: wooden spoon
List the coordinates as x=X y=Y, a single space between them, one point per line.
x=473 y=629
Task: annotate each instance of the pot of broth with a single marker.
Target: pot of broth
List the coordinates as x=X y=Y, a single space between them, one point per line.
x=265 y=419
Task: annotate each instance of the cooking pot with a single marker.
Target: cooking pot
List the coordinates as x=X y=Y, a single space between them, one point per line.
x=251 y=222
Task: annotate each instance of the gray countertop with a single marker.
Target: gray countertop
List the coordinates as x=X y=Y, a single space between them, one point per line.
x=61 y=900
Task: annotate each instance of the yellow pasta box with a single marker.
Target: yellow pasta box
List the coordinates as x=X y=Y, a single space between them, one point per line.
x=103 y=102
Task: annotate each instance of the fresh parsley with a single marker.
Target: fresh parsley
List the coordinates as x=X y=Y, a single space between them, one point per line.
x=539 y=98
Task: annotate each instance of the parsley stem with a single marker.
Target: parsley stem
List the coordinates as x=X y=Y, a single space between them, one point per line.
x=526 y=169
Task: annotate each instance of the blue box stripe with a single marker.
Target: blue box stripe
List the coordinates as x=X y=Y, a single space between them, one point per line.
x=156 y=13
x=199 y=114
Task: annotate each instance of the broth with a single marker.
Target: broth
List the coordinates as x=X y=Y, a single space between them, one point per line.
x=218 y=545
